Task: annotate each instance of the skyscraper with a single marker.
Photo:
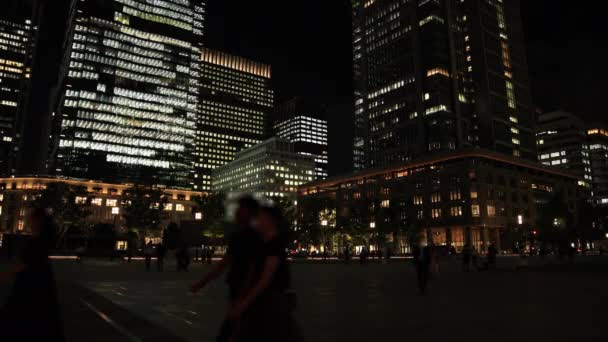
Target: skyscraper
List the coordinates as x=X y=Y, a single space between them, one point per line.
x=16 y=48
x=127 y=102
x=303 y=122
x=235 y=99
x=439 y=75
x=562 y=142
x=597 y=137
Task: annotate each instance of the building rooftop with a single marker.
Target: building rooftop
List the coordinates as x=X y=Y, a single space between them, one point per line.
x=439 y=158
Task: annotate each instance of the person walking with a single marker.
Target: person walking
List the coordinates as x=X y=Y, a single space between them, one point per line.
x=148 y=251
x=31 y=312
x=422 y=263
x=466 y=257
x=239 y=260
x=492 y=253
x=264 y=311
x=161 y=251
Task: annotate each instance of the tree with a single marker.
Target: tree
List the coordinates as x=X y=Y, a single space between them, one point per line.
x=69 y=204
x=212 y=207
x=143 y=209
x=554 y=222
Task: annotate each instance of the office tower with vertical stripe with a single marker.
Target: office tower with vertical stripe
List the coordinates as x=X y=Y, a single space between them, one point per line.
x=235 y=100
x=127 y=104
x=438 y=75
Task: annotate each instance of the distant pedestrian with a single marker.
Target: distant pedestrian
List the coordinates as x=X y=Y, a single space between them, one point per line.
x=148 y=251
x=422 y=264
x=492 y=254
x=466 y=257
x=209 y=255
x=161 y=251
x=474 y=259
x=31 y=312
x=80 y=253
x=183 y=259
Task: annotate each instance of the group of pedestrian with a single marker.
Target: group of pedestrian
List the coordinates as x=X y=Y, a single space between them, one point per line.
x=159 y=251
x=470 y=258
x=260 y=306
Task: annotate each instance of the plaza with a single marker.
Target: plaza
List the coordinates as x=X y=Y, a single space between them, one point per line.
x=548 y=300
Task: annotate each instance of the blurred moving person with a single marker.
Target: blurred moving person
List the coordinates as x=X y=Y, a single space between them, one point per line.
x=239 y=259
x=31 y=311
x=264 y=312
x=422 y=263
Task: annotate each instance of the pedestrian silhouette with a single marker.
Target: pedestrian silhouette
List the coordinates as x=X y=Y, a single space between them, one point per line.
x=264 y=312
x=467 y=253
x=148 y=251
x=239 y=260
x=422 y=263
x=31 y=311
x=161 y=251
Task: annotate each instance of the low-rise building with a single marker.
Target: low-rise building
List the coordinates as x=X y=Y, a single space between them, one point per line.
x=271 y=169
x=471 y=196
x=17 y=195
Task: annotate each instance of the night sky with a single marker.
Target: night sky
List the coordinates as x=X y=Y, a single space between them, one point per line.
x=309 y=48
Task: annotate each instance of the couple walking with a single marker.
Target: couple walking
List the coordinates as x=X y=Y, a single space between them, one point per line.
x=258 y=277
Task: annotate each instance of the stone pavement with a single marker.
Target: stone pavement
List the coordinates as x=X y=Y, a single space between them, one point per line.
x=349 y=303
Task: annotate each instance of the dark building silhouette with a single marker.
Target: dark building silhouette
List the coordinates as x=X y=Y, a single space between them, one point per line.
x=126 y=105
x=439 y=75
x=562 y=142
x=597 y=138
x=17 y=41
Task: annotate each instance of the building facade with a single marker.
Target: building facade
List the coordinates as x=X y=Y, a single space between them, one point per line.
x=17 y=195
x=597 y=138
x=17 y=36
x=471 y=196
x=271 y=169
x=235 y=100
x=303 y=122
x=127 y=103
x=434 y=76
x=562 y=142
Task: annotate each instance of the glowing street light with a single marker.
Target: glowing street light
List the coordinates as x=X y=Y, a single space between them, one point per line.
x=520 y=219
x=324 y=223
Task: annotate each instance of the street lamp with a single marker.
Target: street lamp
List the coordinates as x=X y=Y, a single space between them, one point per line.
x=520 y=219
x=198 y=216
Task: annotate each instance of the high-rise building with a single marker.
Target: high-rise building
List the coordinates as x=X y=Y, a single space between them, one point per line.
x=597 y=138
x=127 y=104
x=562 y=142
x=271 y=169
x=303 y=122
x=439 y=75
x=235 y=100
x=16 y=48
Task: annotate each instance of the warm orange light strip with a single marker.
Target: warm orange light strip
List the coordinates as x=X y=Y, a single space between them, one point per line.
x=471 y=154
x=234 y=62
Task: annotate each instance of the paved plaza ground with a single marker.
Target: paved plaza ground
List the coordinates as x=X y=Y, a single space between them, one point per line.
x=113 y=301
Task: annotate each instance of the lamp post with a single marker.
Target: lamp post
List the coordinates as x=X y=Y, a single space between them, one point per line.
x=324 y=224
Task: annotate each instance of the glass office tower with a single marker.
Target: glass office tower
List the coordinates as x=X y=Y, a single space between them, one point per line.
x=127 y=105
x=236 y=98
x=16 y=48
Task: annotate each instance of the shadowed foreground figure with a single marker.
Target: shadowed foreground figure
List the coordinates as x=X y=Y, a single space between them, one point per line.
x=31 y=312
x=264 y=312
x=239 y=259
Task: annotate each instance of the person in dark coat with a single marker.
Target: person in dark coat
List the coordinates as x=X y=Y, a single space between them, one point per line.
x=161 y=251
x=467 y=253
x=264 y=312
x=422 y=263
x=31 y=312
x=239 y=260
